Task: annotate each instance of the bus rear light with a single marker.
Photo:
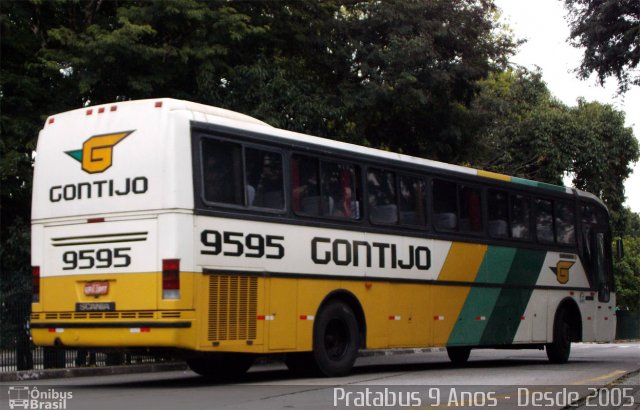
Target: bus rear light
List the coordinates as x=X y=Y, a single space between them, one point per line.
x=52 y=120
x=158 y=104
x=95 y=220
x=171 y=279
x=113 y=108
x=35 y=284
x=89 y=111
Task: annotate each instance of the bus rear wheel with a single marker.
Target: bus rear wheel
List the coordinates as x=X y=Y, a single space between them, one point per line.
x=559 y=350
x=221 y=366
x=458 y=354
x=335 y=339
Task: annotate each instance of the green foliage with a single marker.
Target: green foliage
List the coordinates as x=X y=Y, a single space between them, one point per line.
x=628 y=223
x=427 y=78
x=26 y=95
x=627 y=275
x=523 y=129
x=527 y=133
x=603 y=149
x=143 y=49
x=609 y=33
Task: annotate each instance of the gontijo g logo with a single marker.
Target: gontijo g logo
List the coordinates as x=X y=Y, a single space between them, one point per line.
x=96 y=154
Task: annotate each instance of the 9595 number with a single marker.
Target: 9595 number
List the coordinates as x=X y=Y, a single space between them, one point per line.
x=252 y=245
x=96 y=258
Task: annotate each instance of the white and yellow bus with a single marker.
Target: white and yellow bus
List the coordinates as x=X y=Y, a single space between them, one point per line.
x=192 y=230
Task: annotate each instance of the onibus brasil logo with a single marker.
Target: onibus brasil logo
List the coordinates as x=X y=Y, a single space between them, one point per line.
x=25 y=397
x=96 y=154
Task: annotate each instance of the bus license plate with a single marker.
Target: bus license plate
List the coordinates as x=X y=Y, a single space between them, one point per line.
x=96 y=307
x=96 y=288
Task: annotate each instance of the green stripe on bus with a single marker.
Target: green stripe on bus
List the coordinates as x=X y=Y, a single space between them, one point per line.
x=480 y=303
x=511 y=303
x=536 y=184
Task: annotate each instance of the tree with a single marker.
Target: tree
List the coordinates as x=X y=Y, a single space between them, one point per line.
x=527 y=133
x=603 y=149
x=415 y=69
x=627 y=275
x=522 y=132
x=27 y=93
x=609 y=32
x=395 y=74
x=130 y=50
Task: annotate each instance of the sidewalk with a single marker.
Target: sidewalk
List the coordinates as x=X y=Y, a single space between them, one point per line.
x=91 y=371
x=159 y=367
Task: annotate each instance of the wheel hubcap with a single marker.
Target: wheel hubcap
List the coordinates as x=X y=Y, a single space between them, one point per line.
x=336 y=339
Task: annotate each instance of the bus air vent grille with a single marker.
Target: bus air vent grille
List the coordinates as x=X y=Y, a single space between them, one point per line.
x=233 y=302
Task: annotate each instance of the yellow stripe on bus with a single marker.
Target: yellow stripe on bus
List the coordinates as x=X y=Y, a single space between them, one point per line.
x=494 y=175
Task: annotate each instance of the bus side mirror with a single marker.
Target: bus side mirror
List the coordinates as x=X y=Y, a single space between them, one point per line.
x=619 y=249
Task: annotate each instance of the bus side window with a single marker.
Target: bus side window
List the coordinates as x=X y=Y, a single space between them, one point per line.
x=544 y=220
x=222 y=172
x=565 y=223
x=265 y=186
x=498 y=214
x=412 y=200
x=470 y=209
x=445 y=205
x=520 y=216
x=339 y=190
x=381 y=189
x=305 y=186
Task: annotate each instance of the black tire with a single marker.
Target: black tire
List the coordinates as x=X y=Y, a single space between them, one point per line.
x=458 y=355
x=559 y=350
x=335 y=339
x=221 y=366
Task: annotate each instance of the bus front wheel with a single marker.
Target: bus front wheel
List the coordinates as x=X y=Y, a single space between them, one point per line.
x=559 y=350
x=335 y=339
x=221 y=366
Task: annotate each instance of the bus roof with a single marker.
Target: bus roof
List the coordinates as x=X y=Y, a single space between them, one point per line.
x=221 y=116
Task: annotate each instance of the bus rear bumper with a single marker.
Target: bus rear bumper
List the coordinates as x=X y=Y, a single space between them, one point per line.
x=133 y=334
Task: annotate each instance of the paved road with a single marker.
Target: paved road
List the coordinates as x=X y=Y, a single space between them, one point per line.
x=493 y=379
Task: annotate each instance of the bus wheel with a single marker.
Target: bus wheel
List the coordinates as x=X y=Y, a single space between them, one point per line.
x=558 y=351
x=221 y=366
x=335 y=339
x=458 y=354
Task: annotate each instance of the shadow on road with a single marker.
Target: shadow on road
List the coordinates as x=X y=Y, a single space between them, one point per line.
x=263 y=374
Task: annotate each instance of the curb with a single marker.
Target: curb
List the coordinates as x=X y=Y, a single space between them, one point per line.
x=24 y=375
x=393 y=352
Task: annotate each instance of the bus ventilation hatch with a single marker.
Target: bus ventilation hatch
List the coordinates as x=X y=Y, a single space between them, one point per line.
x=233 y=302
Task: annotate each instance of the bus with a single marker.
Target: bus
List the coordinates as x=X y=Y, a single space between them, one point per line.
x=202 y=233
